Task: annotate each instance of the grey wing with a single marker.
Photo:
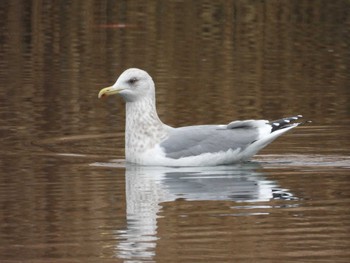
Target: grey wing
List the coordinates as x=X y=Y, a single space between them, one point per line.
x=195 y=140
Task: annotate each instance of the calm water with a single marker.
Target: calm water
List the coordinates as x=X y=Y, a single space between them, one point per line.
x=66 y=194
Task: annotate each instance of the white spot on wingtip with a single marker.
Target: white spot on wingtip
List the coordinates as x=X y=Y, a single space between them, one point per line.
x=275 y=124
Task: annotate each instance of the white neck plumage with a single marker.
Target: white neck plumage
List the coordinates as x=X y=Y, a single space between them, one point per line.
x=143 y=128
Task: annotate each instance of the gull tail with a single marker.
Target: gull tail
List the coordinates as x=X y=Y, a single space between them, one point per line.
x=286 y=123
x=270 y=132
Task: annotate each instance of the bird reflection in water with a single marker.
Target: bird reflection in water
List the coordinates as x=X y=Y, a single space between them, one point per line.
x=148 y=187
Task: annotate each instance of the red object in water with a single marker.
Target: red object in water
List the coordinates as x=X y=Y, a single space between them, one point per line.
x=115 y=25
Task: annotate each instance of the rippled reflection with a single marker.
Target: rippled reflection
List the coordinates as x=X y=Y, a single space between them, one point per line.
x=148 y=187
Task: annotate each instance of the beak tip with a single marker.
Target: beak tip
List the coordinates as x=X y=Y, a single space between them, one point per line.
x=103 y=93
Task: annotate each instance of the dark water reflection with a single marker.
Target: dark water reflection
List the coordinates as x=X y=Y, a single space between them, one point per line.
x=64 y=198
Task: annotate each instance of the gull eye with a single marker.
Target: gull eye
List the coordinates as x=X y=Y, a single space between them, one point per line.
x=132 y=80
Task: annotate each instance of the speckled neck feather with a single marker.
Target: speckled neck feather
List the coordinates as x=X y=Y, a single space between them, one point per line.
x=143 y=129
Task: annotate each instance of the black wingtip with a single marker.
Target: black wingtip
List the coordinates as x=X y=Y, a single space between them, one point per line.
x=286 y=122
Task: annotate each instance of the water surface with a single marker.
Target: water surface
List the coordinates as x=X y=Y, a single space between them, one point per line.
x=66 y=193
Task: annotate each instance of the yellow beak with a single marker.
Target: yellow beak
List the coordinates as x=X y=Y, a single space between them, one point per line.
x=108 y=91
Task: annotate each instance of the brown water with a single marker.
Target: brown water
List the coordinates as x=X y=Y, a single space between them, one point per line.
x=66 y=194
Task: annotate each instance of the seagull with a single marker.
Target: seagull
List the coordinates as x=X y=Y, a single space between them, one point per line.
x=148 y=141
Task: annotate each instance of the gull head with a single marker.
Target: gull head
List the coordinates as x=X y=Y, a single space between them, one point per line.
x=132 y=85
